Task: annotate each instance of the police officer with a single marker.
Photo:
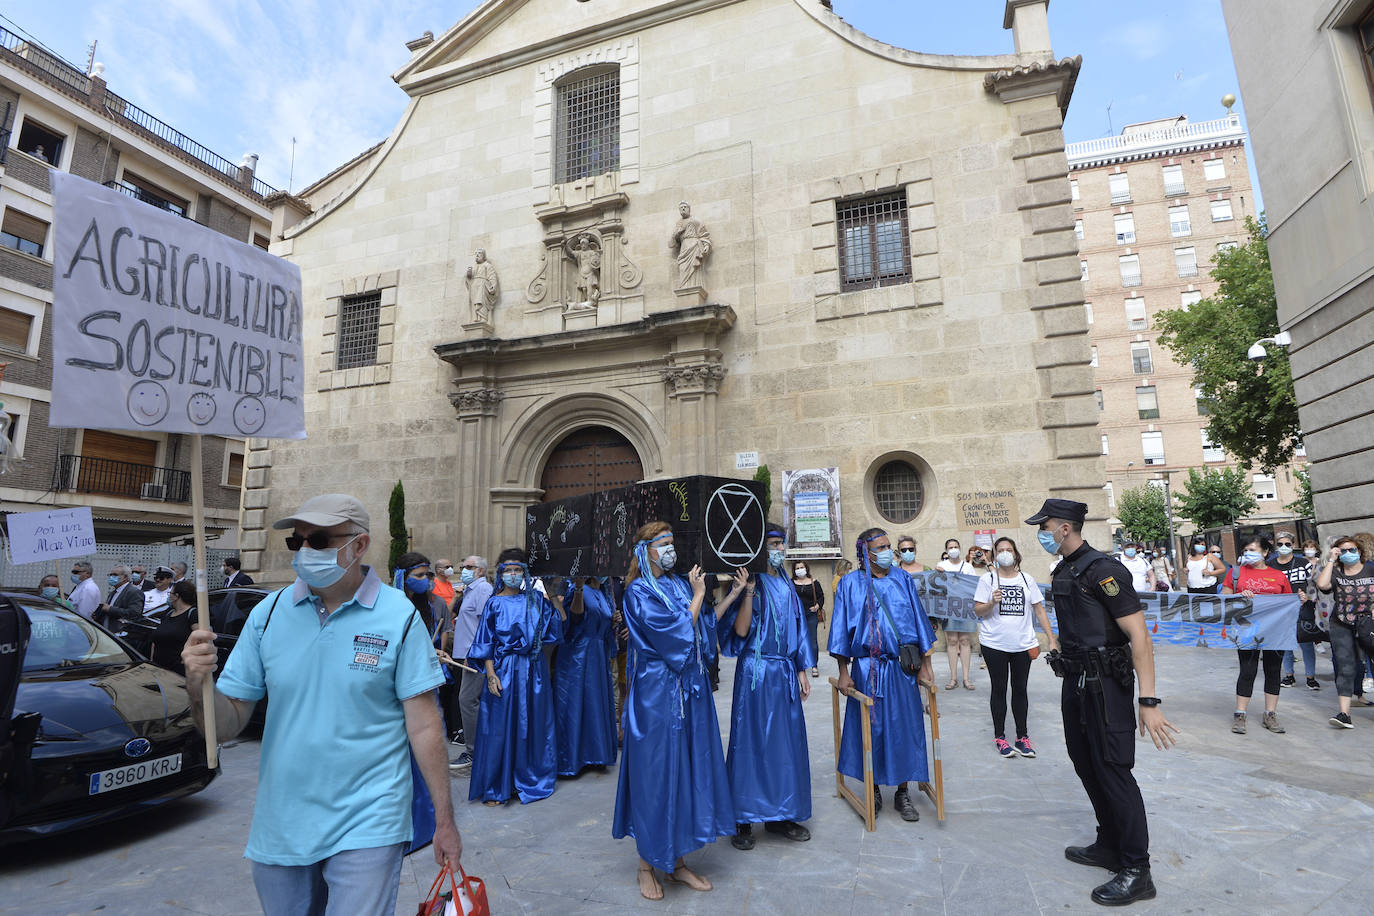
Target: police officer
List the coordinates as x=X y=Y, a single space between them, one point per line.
x=1103 y=634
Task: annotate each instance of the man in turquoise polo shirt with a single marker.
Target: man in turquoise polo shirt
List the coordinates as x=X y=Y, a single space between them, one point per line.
x=352 y=674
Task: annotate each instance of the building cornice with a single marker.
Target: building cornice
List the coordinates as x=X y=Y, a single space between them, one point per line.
x=1152 y=144
x=1035 y=79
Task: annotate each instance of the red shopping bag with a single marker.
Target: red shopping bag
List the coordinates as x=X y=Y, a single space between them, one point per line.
x=461 y=898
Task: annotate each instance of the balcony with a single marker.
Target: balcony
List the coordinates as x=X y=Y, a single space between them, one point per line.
x=78 y=474
x=148 y=197
x=1177 y=138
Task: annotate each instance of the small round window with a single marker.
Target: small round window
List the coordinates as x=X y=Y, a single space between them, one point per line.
x=897 y=491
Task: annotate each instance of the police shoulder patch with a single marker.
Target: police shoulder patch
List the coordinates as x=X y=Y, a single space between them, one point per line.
x=1110 y=586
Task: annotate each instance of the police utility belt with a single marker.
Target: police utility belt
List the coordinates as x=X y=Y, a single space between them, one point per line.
x=1094 y=663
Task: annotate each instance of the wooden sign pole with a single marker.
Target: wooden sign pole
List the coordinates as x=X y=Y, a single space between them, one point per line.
x=934 y=790
x=202 y=591
x=865 y=805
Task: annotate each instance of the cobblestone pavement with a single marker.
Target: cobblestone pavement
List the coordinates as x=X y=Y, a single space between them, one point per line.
x=1239 y=824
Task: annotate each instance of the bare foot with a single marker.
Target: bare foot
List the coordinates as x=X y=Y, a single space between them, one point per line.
x=649 y=887
x=684 y=875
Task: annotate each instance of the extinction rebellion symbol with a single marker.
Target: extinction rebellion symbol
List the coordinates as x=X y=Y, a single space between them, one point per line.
x=734 y=524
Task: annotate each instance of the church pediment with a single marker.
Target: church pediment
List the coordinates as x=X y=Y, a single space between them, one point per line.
x=501 y=34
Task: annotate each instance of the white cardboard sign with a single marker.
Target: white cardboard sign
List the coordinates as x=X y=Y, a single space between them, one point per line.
x=162 y=324
x=36 y=537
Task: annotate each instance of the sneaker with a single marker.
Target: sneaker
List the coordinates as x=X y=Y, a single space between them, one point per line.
x=458 y=738
x=1238 y=723
x=1271 y=722
x=1288 y=681
x=462 y=765
x=1368 y=685
x=1341 y=720
x=1024 y=747
x=1312 y=684
x=1004 y=749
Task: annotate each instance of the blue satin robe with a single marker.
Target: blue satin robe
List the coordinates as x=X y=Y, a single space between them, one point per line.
x=673 y=794
x=514 y=752
x=768 y=761
x=899 y=728
x=584 y=704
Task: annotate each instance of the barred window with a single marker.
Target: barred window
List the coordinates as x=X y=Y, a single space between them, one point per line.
x=588 y=125
x=358 y=317
x=874 y=246
x=898 y=492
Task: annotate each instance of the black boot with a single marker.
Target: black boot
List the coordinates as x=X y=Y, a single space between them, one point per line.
x=744 y=836
x=905 y=806
x=877 y=799
x=790 y=829
x=1094 y=855
x=1129 y=885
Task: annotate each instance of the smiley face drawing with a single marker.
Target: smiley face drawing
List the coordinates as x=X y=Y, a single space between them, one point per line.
x=148 y=403
x=249 y=415
x=201 y=408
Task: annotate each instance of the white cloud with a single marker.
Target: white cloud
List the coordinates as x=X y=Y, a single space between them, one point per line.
x=1143 y=39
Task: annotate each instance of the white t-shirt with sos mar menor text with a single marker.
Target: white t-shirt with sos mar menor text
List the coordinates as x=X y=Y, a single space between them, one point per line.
x=1009 y=627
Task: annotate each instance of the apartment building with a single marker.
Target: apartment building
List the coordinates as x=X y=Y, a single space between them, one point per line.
x=1152 y=207
x=54 y=115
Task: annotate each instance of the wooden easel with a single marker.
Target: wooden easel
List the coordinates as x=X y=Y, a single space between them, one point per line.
x=934 y=790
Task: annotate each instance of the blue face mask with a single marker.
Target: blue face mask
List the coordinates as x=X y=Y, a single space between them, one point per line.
x=320 y=568
x=908 y=556
x=135 y=577
x=1199 y=548
x=468 y=576
x=1047 y=541
x=776 y=557
x=113 y=580
x=1128 y=552
x=513 y=580
x=883 y=558
x=48 y=591
x=1285 y=550
x=667 y=557
x=76 y=578
x=419 y=586
x=1250 y=558
x=1350 y=557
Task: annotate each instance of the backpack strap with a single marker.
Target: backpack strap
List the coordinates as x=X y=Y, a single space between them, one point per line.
x=272 y=609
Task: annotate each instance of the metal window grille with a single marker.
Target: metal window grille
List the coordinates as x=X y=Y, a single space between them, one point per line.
x=1173 y=180
x=588 y=126
x=1120 y=186
x=898 y=492
x=1130 y=270
x=358 y=317
x=1141 y=363
x=874 y=245
x=1179 y=222
x=1186 y=260
x=1147 y=402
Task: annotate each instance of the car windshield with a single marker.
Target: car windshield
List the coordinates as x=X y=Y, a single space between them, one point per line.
x=62 y=639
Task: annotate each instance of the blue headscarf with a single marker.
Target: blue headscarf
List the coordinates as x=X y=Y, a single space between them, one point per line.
x=763 y=606
x=527 y=587
x=875 y=647
x=646 y=572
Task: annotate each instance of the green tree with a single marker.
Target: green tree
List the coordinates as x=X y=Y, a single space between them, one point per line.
x=400 y=538
x=1212 y=498
x=1302 y=506
x=1143 y=514
x=1254 y=413
x=765 y=477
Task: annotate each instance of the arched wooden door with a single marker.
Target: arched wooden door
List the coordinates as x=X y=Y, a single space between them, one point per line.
x=593 y=458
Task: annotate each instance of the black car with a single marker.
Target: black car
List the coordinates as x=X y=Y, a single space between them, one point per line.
x=89 y=731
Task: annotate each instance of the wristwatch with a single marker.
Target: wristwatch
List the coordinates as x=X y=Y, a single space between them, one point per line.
x=1149 y=701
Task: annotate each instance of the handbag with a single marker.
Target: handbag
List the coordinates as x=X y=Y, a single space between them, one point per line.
x=465 y=898
x=1308 y=630
x=909 y=655
x=1364 y=632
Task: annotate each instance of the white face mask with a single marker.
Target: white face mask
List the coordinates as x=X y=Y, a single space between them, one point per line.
x=1309 y=553
x=1006 y=558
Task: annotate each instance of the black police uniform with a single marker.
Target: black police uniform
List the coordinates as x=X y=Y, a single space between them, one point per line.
x=1091 y=591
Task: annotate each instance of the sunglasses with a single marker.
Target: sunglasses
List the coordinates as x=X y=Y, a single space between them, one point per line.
x=317 y=540
x=1285 y=543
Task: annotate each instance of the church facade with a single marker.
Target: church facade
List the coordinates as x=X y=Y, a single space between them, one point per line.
x=631 y=239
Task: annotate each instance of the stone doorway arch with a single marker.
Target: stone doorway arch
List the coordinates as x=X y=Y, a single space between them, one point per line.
x=588 y=460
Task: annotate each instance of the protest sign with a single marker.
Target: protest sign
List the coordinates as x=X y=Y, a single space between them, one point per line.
x=160 y=323
x=979 y=509
x=36 y=537
x=1178 y=618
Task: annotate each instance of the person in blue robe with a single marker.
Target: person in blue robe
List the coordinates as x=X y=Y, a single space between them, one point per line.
x=876 y=611
x=673 y=794
x=515 y=752
x=764 y=626
x=584 y=704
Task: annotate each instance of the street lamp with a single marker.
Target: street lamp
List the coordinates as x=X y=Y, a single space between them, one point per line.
x=1169 y=508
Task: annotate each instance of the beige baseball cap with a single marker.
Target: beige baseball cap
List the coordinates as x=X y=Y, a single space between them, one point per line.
x=328 y=510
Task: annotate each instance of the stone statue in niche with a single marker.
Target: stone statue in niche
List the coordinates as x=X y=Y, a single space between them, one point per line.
x=691 y=244
x=484 y=287
x=585 y=250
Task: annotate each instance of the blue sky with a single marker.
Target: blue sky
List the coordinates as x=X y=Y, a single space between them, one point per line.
x=248 y=75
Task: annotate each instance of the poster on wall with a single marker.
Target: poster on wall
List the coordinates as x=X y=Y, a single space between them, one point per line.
x=811 y=512
x=162 y=324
